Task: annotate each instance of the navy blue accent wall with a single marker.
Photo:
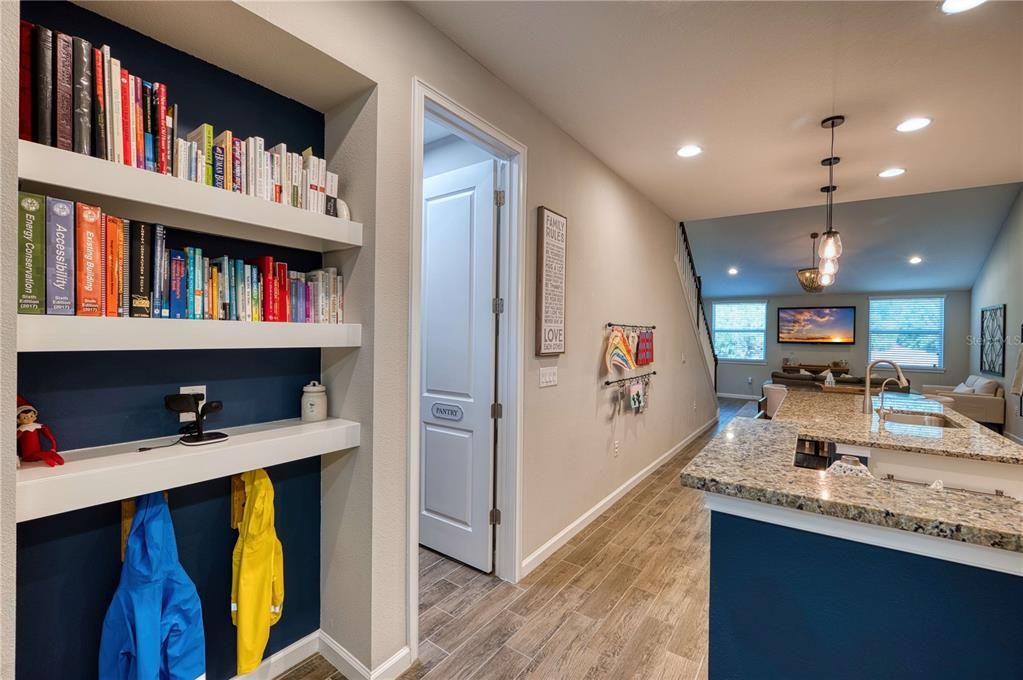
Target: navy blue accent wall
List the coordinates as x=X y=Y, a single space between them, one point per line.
x=203 y=92
x=788 y=605
x=69 y=564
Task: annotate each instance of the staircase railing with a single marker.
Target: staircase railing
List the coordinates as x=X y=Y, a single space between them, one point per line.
x=692 y=289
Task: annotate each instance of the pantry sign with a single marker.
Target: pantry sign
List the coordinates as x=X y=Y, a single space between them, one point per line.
x=552 y=230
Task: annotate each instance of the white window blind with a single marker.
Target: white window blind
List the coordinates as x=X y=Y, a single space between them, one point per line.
x=909 y=331
x=740 y=330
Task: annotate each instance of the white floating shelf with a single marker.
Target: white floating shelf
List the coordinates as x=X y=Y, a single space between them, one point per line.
x=51 y=333
x=109 y=473
x=137 y=194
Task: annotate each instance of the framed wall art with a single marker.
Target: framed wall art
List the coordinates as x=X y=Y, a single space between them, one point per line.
x=551 y=243
x=992 y=340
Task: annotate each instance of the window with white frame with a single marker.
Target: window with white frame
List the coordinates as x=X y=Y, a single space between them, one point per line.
x=908 y=330
x=740 y=330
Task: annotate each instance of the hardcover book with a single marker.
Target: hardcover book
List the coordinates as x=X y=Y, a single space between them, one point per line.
x=162 y=146
x=99 y=105
x=31 y=253
x=159 y=245
x=108 y=101
x=116 y=113
x=82 y=70
x=63 y=89
x=88 y=260
x=147 y=126
x=60 y=256
x=126 y=108
x=114 y=266
x=124 y=309
x=219 y=177
x=236 y=165
x=43 y=85
x=203 y=137
x=225 y=140
x=140 y=265
x=26 y=121
x=178 y=285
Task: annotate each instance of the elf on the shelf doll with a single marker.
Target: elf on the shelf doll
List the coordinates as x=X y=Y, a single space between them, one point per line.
x=30 y=434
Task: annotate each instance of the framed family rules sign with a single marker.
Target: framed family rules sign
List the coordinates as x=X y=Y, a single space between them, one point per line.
x=552 y=232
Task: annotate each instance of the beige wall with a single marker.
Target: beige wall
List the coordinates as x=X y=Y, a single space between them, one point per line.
x=732 y=377
x=1000 y=283
x=620 y=268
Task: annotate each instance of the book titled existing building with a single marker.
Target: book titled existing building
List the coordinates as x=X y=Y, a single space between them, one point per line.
x=88 y=260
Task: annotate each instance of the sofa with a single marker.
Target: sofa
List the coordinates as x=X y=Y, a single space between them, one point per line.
x=799 y=380
x=978 y=398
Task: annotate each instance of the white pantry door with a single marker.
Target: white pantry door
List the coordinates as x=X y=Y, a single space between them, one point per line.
x=458 y=353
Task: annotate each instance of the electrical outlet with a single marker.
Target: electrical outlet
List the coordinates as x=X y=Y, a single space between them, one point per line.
x=694 y=404
x=548 y=376
x=616 y=448
x=191 y=389
x=749 y=380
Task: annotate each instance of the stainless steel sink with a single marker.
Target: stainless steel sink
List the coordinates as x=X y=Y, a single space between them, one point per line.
x=926 y=419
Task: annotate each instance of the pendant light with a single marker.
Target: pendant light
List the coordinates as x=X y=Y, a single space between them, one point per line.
x=811 y=279
x=831 y=240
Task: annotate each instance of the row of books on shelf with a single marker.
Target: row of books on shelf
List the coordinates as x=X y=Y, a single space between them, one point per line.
x=79 y=98
x=73 y=259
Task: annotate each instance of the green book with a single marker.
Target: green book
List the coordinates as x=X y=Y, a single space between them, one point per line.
x=203 y=137
x=31 y=254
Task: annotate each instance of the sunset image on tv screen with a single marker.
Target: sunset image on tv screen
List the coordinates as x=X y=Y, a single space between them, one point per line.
x=817 y=324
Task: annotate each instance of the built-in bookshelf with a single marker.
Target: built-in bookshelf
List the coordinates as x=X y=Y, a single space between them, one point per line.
x=152 y=197
x=109 y=473
x=50 y=333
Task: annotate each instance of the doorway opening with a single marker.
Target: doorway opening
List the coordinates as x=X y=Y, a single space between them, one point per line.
x=465 y=353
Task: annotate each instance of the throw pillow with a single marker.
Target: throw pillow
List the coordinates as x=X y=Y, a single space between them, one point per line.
x=984 y=386
x=961 y=388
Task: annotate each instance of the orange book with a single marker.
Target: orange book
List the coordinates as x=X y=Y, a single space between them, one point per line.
x=114 y=265
x=89 y=260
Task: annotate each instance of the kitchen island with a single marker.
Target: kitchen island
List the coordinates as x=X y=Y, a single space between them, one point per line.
x=819 y=575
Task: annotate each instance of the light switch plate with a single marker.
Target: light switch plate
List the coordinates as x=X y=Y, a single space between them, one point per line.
x=548 y=376
x=191 y=389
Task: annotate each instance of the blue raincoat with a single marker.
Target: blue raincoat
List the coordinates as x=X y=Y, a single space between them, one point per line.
x=153 y=628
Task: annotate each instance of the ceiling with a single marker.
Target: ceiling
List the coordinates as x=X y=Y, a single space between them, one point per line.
x=433 y=131
x=953 y=231
x=750 y=82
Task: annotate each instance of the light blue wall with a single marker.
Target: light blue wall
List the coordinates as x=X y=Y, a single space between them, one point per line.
x=1001 y=282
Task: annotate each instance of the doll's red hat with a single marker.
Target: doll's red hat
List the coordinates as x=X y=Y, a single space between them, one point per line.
x=25 y=405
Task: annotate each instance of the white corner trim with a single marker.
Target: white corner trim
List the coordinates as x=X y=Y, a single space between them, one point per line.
x=351 y=667
x=728 y=395
x=565 y=535
x=286 y=659
x=980 y=556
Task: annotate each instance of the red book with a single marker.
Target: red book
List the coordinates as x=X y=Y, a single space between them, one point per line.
x=161 y=127
x=99 y=106
x=140 y=123
x=265 y=266
x=283 y=310
x=63 y=84
x=89 y=264
x=25 y=118
x=126 y=131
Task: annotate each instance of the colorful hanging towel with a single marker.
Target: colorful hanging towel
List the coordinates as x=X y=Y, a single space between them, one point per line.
x=153 y=628
x=619 y=352
x=257 y=574
x=645 y=348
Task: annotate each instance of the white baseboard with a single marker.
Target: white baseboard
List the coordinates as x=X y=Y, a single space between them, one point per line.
x=351 y=667
x=1015 y=438
x=286 y=659
x=728 y=395
x=566 y=534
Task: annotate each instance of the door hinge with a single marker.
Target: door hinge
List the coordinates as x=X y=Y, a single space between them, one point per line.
x=498 y=198
x=495 y=516
x=496 y=410
x=498 y=305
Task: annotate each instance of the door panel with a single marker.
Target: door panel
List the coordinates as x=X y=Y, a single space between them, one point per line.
x=458 y=332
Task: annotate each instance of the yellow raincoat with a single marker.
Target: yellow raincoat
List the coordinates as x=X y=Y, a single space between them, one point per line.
x=257 y=574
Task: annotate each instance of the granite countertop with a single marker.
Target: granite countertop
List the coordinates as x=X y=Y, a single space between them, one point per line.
x=839 y=418
x=753 y=460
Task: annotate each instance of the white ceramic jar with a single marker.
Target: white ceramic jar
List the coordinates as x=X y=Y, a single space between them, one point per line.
x=314 y=402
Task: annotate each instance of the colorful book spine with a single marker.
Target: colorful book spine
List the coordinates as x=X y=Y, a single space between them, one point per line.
x=60 y=256
x=203 y=137
x=99 y=105
x=124 y=131
x=178 y=285
x=114 y=266
x=134 y=148
x=225 y=140
x=236 y=165
x=88 y=260
x=43 y=84
x=189 y=284
x=198 y=281
x=162 y=137
x=139 y=123
x=141 y=254
x=159 y=246
x=82 y=72
x=124 y=309
x=63 y=84
x=31 y=253
x=219 y=169
x=147 y=126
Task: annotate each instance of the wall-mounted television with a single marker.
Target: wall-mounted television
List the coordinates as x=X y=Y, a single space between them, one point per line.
x=817 y=325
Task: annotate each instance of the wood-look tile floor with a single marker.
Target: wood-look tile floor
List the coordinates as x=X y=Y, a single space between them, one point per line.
x=625 y=599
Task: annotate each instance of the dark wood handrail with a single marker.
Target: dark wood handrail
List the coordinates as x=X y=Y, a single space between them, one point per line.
x=701 y=309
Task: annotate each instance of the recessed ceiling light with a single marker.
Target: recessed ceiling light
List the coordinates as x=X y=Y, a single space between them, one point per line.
x=957 y=6
x=916 y=259
x=732 y=271
x=892 y=172
x=689 y=150
x=913 y=124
